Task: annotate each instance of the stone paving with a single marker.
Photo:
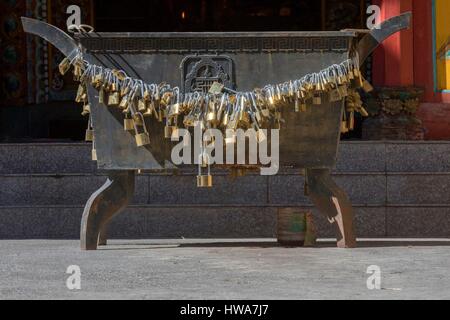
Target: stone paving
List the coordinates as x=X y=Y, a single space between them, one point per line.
x=225 y=269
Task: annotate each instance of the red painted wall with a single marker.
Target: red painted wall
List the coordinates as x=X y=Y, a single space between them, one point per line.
x=406 y=59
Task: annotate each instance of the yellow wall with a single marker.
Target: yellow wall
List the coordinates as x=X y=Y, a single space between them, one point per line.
x=442 y=8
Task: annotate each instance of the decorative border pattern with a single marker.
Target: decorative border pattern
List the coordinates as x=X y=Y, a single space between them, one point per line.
x=97 y=44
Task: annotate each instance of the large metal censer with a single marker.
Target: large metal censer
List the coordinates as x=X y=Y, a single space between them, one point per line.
x=241 y=61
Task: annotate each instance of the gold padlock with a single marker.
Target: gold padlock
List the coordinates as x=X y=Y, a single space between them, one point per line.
x=232 y=124
x=175 y=133
x=303 y=106
x=101 y=95
x=204 y=181
x=142 y=105
x=142 y=139
x=124 y=102
x=128 y=124
x=174 y=110
x=225 y=119
x=80 y=92
x=138 y=119
x=168 y=130
x=148 y=112
x=343 y=91
x=317 y=99
x=335 y=95
x=367 y=87
x=189 y=121
x=86 y=110
x=113 y=99
x=297 y=105
x=64 y=66
x=89 y=136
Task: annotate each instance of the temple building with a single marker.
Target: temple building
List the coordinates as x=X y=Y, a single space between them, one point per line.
x=394 y=165
x=410 y=71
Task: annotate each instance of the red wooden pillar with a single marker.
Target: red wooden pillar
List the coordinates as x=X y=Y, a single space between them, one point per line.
x=393 y=63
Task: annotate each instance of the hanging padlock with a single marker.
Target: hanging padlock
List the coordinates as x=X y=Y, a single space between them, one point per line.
x=113 y=99
x=80 y=92
x=89 y=136
x=64 y=66
x=168 y=131
x=128 y=123
x=101 y=95
x=317 y=98
x=142 y=139
x=94 y=151
x=204 y=181
x=86 y=110
x=138 y=119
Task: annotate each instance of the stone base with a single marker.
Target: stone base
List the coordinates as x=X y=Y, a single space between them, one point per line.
x=436 y=120
x=401 y=127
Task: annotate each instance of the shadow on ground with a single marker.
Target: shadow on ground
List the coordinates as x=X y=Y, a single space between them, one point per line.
x=271 y=244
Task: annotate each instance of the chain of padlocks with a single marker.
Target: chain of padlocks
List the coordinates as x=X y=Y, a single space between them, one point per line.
x=220 y=108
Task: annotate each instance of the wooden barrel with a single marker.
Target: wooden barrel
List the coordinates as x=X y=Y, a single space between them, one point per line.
x=291 y=226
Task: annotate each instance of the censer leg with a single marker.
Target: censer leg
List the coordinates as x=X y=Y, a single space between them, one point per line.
x=103 y=235
x=331 y=200
x=103 y=205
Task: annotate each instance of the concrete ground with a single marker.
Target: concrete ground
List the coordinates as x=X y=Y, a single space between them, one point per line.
x=224 y=269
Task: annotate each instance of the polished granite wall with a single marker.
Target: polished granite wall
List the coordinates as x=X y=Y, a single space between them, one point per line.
x=398 y=189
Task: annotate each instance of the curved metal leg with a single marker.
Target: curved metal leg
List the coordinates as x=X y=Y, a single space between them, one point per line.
x=332 y=201
x=103 y=205
x=103 y=235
